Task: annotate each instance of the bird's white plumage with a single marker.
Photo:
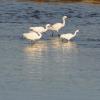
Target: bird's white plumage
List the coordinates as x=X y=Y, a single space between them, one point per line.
x=40 y=29
x=32 y=35
x=68 y=36
x=58 y=26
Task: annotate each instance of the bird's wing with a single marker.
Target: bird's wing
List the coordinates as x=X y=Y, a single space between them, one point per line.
x=37 y=28
x=62 y=36
x=68 y=35
x=56 y=25
x=34 y=35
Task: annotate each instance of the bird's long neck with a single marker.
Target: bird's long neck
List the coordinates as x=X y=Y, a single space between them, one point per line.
x=63 y=21
x=46 y=28
x=40 y=35
x=75 y=33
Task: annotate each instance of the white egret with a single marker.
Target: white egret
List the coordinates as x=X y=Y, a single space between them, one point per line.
x=40 y=29
x=58 y=26
x=68 y=36
x=32 y=35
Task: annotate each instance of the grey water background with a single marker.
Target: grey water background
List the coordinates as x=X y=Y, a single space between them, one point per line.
x=49 y=69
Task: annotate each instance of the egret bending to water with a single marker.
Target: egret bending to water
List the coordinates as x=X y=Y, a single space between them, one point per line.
x=58 y=26
x=32 y=35
x=68 y=36
x=40 y=29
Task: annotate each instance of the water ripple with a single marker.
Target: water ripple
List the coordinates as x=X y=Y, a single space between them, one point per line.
x=10 y=37
x=20 y=13
x=93 y=40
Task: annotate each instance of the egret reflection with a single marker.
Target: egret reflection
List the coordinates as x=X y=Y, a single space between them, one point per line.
x=42 y=53
x=56 y=45
x=70 y=47
x=36 y=49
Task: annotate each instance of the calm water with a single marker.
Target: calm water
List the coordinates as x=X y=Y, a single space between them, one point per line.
x=49 y=69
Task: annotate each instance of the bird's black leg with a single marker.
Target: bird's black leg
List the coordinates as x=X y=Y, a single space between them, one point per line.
x=62 y=40
x=52 y=34
x=58 y=35
x=31 y=42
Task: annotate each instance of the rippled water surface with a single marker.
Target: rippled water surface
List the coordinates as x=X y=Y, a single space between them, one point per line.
x=49 y=69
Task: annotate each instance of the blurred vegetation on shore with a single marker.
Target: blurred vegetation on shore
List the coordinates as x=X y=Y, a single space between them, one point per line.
x=63 y=1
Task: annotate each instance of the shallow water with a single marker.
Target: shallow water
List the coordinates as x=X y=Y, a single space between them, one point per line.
x=49 y=69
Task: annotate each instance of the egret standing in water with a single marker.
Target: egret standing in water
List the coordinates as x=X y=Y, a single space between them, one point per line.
x=32 y=36
x=68 y=36
x=40 y=29
x=58 y=26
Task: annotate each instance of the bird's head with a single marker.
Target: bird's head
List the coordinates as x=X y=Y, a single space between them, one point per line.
x=48 y=25
x=77 y=30
x=64 y=17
